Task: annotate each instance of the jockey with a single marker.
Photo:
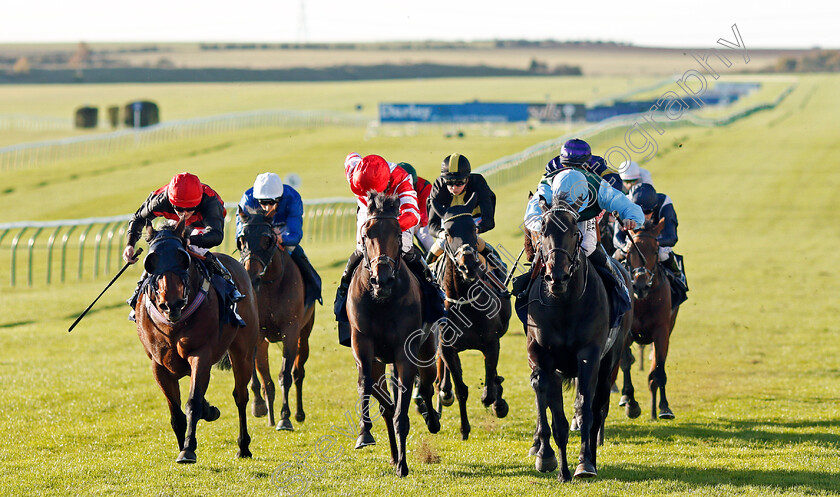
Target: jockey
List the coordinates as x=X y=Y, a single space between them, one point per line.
x=457 y=185
x=577 y=153
x=282 y=202
x=594 y=195
x=423 y=189
x=656 y=207
x=184 y=196
x=374 y=173
x=631 y=174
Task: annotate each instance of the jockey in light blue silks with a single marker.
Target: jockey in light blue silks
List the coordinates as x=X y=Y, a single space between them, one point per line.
x=590 y=195
x=285 y=207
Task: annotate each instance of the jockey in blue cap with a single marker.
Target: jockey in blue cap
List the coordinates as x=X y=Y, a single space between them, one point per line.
x=656 y=207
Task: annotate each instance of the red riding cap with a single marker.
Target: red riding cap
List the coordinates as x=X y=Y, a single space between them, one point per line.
x=372 y=173
x=185 y=190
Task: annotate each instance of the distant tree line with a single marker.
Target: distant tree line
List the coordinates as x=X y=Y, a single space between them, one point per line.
x=816 y=61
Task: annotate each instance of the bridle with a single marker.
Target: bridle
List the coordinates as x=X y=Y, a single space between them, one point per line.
x=642 y=271
x=574 y=258
x=264 y=257
x=369 y=263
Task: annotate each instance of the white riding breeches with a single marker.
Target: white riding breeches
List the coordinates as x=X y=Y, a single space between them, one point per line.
x=664 y=253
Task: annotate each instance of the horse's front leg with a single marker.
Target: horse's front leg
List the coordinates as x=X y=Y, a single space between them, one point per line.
x=426 y=371
x=493 y=382
x=290 y=350
x=299 y=371
x=406 y=371
x=168 y=383
x=559 y=423
x=588 y=367
x=453 y=365
x=364 y=361
x=657 y=377
x=199 y=380
x=628 y=392
x=263 y=369
x=546 y=461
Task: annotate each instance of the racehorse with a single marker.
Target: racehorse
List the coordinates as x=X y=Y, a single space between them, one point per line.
x=568 y=333
x=653 y=318
x=384 y=309
x=478 y=315
x=279 y=287
x=179 y=324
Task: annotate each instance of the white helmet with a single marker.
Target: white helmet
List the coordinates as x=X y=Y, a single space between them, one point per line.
x=268 y=185
x=629 y=170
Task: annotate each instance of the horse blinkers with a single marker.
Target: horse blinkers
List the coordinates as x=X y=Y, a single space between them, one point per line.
x=168 y=257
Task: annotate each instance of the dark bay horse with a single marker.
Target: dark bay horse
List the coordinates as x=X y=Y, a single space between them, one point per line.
x=384 y=310
x=568 y=333
x=178 y=322
x=478 y=315
x=279 y=286
x=653 y=318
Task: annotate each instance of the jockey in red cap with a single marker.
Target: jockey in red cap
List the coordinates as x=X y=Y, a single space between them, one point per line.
x=368 y=173
x=184 y=196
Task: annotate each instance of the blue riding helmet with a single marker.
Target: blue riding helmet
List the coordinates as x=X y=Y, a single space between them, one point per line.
x=644 y=195
x=575 y=152
x=571 y=186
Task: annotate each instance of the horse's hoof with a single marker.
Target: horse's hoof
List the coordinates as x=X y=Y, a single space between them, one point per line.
x=633 y=410
x=259 y=409
x=446 y=398
x=666 y=414
x=211 y=414
x=364 y=440
x=546 y=465
x=186 y=457
x=586 y=470
x=575 y=424
x=243 y=454
x=465 y=435
x=623 y=400
x=402 y=469
x=300 y=416
x=432 y=421
x=285 y=424
x=500 y=408
x=564 y=475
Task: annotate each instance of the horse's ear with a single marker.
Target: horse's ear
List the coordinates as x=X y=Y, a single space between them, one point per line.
x=180 y=227
x=371 y=195
x=241 y=213
x=530 y=194
x=150 y=232
x=544 y=205
x=659 y=227
x=150 y=262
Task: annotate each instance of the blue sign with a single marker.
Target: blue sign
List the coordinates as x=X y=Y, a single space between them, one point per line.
x=456 y=113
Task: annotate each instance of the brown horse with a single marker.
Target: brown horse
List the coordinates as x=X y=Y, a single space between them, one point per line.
x=478 y=315
x=568 y=333
x=653 y=318
x=283 y=317
x=179 y=324
x=384 y=309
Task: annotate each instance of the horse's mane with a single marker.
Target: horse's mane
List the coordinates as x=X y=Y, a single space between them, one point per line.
x=382 y=204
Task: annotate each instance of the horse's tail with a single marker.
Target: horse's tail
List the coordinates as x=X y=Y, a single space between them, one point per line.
x=224 y=363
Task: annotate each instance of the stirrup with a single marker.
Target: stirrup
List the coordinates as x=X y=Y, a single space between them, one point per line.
x=236 y=296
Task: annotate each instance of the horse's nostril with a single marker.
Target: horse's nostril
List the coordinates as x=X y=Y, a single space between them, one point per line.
x=164 y=307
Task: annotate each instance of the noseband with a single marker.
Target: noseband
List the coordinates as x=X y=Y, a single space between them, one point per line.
x=264 y=258
x=382 y=258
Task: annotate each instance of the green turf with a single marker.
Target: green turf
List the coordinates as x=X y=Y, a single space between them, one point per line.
x=753 y=369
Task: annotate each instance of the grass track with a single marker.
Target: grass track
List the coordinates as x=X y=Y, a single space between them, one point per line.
x=753 y=367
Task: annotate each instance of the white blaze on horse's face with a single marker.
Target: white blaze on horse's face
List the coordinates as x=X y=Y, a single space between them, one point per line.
x=170 y=298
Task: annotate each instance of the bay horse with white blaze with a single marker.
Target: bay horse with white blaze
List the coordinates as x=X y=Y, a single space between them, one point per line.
x=653 y=318
x=180 y=325
x=568 y=333
x=280 y=290
x=384 y=305
x=478 y=314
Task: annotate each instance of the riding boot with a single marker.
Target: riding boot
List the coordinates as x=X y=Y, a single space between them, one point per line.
x=619 y=295
x=673 y=266
x=340 y=305
x=132 y=301
x=434 y=296
x=216 y=265
x=311 y=278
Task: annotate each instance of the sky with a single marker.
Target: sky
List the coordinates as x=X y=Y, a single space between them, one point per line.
x=690 y=23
